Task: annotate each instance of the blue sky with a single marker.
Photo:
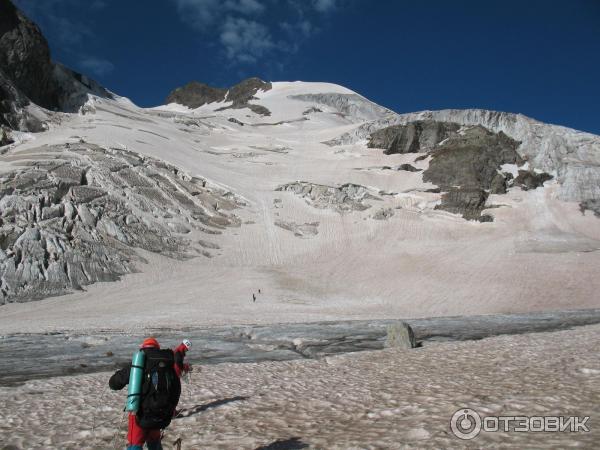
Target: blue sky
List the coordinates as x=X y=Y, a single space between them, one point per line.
x=540 y=58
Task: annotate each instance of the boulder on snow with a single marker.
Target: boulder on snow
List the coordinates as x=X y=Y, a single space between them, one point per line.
x=400 y=335
x=237 y=122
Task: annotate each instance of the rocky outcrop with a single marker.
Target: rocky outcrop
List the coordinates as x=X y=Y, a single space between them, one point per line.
x=345 y=198
x=77 y=215
x=5 y=138
x=27 y=74
x=413 y=137
x=311 y=110
x=14 y=111
x=472 y=159
x=257 y=109
x=237 y=122
x=468 y=202
x=383 y=214
x=408 y=168
x=590 y=205
x=467 y=167
x=401 y=167
x=528 y=179
x=194 y=95
x=244 y=91
x=465 y=163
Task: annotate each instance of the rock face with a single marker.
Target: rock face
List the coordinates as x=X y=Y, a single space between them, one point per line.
x=194 y=95
x=472 y=159
x=27 y=74
x=347 y=197
x=245 y=90
x=25 y=57
x=13 y=108
x=467 y=167
x=77 y=217
x=414 y=137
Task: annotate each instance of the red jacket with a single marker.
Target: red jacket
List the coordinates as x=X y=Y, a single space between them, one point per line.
x=180 y=366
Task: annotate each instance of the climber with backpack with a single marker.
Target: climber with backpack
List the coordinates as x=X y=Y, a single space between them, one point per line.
x=154 y=389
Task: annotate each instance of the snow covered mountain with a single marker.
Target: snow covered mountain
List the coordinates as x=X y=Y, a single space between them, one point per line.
x=333 y=206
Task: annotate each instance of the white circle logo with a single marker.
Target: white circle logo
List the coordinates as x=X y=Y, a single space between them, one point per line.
x=465 y=423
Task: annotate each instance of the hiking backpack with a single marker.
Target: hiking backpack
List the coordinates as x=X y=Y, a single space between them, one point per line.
x=160 y=389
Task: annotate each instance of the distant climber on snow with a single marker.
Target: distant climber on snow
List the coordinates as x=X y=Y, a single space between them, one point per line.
x=154 y=389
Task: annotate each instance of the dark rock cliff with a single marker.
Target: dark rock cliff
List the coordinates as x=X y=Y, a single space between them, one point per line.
x=27 y=74
x=25 y=57
x=414 y=137
x=195 y=94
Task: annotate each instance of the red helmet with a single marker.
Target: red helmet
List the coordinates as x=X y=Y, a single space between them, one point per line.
x=150 y=343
